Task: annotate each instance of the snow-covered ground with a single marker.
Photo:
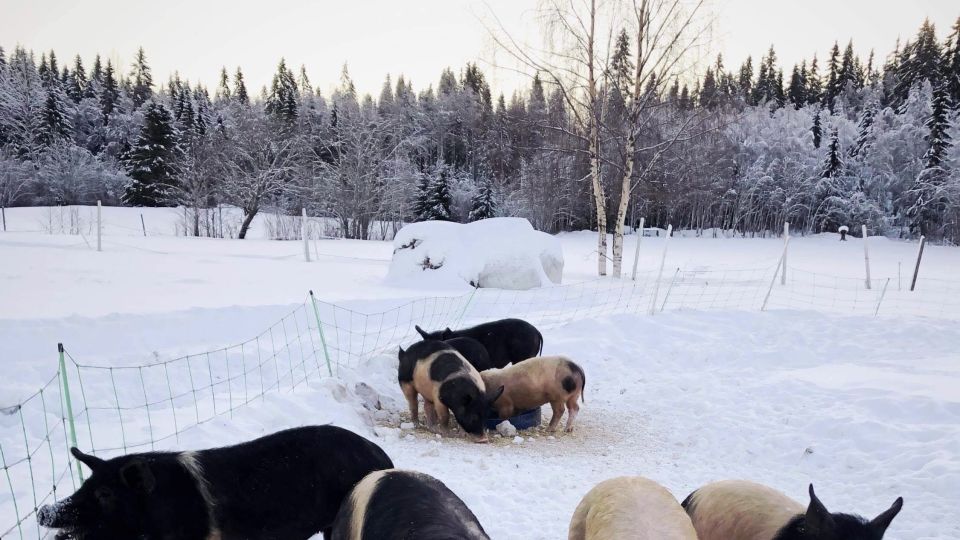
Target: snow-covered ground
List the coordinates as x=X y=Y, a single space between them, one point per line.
x=867 y=408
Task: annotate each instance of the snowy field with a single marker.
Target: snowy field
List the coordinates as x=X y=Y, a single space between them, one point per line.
x=867 y=408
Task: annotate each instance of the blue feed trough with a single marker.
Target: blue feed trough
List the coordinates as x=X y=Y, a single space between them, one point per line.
x=524 y=420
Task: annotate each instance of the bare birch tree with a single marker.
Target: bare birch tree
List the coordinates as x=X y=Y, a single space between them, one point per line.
x=578 y=35
x=667 y=35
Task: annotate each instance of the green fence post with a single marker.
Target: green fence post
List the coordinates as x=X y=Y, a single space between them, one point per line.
x=323 y=340
x=66 y=397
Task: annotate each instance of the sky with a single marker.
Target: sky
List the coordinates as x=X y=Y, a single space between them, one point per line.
x=417 y=38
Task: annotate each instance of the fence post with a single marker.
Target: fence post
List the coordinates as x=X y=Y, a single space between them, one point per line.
x=323 y=340
x=143 y=225
x=882 y=293
x=866 y=254
x=783 y=257
x=303 y=234
x=99 y=226
x=636 y=254
x=916 y=269
x=3 y=210
x=66 y=397
x=465 y=306
x=783 y=270
x=663 y=259
x=666 y=296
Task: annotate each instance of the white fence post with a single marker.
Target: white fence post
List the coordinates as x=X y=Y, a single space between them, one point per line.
x=99 y=226
x=866 y=254
x=663 y=259
x=303 y=234
x=783 y=257
x=783 y=269
x=636 y=254
x=882 y=293
x=916 y=269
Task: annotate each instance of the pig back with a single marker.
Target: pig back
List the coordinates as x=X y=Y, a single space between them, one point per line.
x=290 y=483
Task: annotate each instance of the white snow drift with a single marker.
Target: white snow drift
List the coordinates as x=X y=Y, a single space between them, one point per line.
x=502 y=253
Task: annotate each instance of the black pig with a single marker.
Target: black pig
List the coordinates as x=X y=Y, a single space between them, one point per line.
x=507 y=340
x=473 y=351
x=288 y=485
x=405 y=504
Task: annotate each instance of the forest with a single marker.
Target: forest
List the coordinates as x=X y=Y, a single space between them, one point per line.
x=840 y=140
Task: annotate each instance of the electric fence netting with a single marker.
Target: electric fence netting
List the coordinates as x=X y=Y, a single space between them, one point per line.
x=109 y=410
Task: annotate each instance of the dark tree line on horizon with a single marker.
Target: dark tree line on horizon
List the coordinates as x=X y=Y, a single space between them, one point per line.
x=832 y=141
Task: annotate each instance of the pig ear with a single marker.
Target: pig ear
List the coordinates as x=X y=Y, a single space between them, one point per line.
x=90 y=461
x=420 y=331
x=496 y=395
x=447 y=333
x=138 y=476
x=818 y=519
x=401 y=351
x=881 y=522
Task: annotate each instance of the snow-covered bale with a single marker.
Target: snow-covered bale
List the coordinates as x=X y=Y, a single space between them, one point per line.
x=501 y=253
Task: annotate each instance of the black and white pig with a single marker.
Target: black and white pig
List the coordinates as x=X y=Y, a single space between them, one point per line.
x=472 y=350
x=288 y=485
x=556 y=380
x=448 y=384
x=507 y=340
x=740 y=510
x=408 y=505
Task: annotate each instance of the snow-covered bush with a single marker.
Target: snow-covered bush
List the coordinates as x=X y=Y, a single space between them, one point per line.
x=503 y=253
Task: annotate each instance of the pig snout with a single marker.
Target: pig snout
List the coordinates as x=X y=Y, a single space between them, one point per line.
x=55 y=515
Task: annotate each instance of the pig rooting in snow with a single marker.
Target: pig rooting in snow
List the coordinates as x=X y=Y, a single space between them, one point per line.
x=556 y=380
x=396 y=504
x=630 y=508
x=739 y=510
x=286 y=485
x=448 y=384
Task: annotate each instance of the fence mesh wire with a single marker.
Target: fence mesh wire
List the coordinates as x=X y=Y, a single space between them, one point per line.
x=120 y=408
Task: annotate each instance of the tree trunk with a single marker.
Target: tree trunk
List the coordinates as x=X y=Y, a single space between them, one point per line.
x=196 y=221
x=599 y=199
x=247 y=219
x=624 y=202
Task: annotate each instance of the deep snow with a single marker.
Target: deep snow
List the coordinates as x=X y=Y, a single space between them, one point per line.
x=866 y=408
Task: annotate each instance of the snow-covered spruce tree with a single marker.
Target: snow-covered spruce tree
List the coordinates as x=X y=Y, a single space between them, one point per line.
x=281 y=102
x=833 y=208
x=141 y=79
x=152 y=161
x=919 y=61
x=817 y=129
x=55 y=124
x=433 y=199
x=484 y=205
x=240 y=89
x=927 y=193
x=951 y=65
x=77 y=83
x=110 y=94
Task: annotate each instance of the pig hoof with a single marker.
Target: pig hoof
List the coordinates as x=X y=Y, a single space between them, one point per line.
x=569 y=429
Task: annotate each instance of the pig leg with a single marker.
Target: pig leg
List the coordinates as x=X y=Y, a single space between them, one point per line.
x=572 y=409
x=557 y=414
x=431 y=413
x=443 y=415
x=410 y=393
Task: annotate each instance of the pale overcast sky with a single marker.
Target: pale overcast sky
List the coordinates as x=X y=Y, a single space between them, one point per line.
x=417 y=38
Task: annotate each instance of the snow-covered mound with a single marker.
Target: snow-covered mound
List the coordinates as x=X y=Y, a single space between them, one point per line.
x=502 y=253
